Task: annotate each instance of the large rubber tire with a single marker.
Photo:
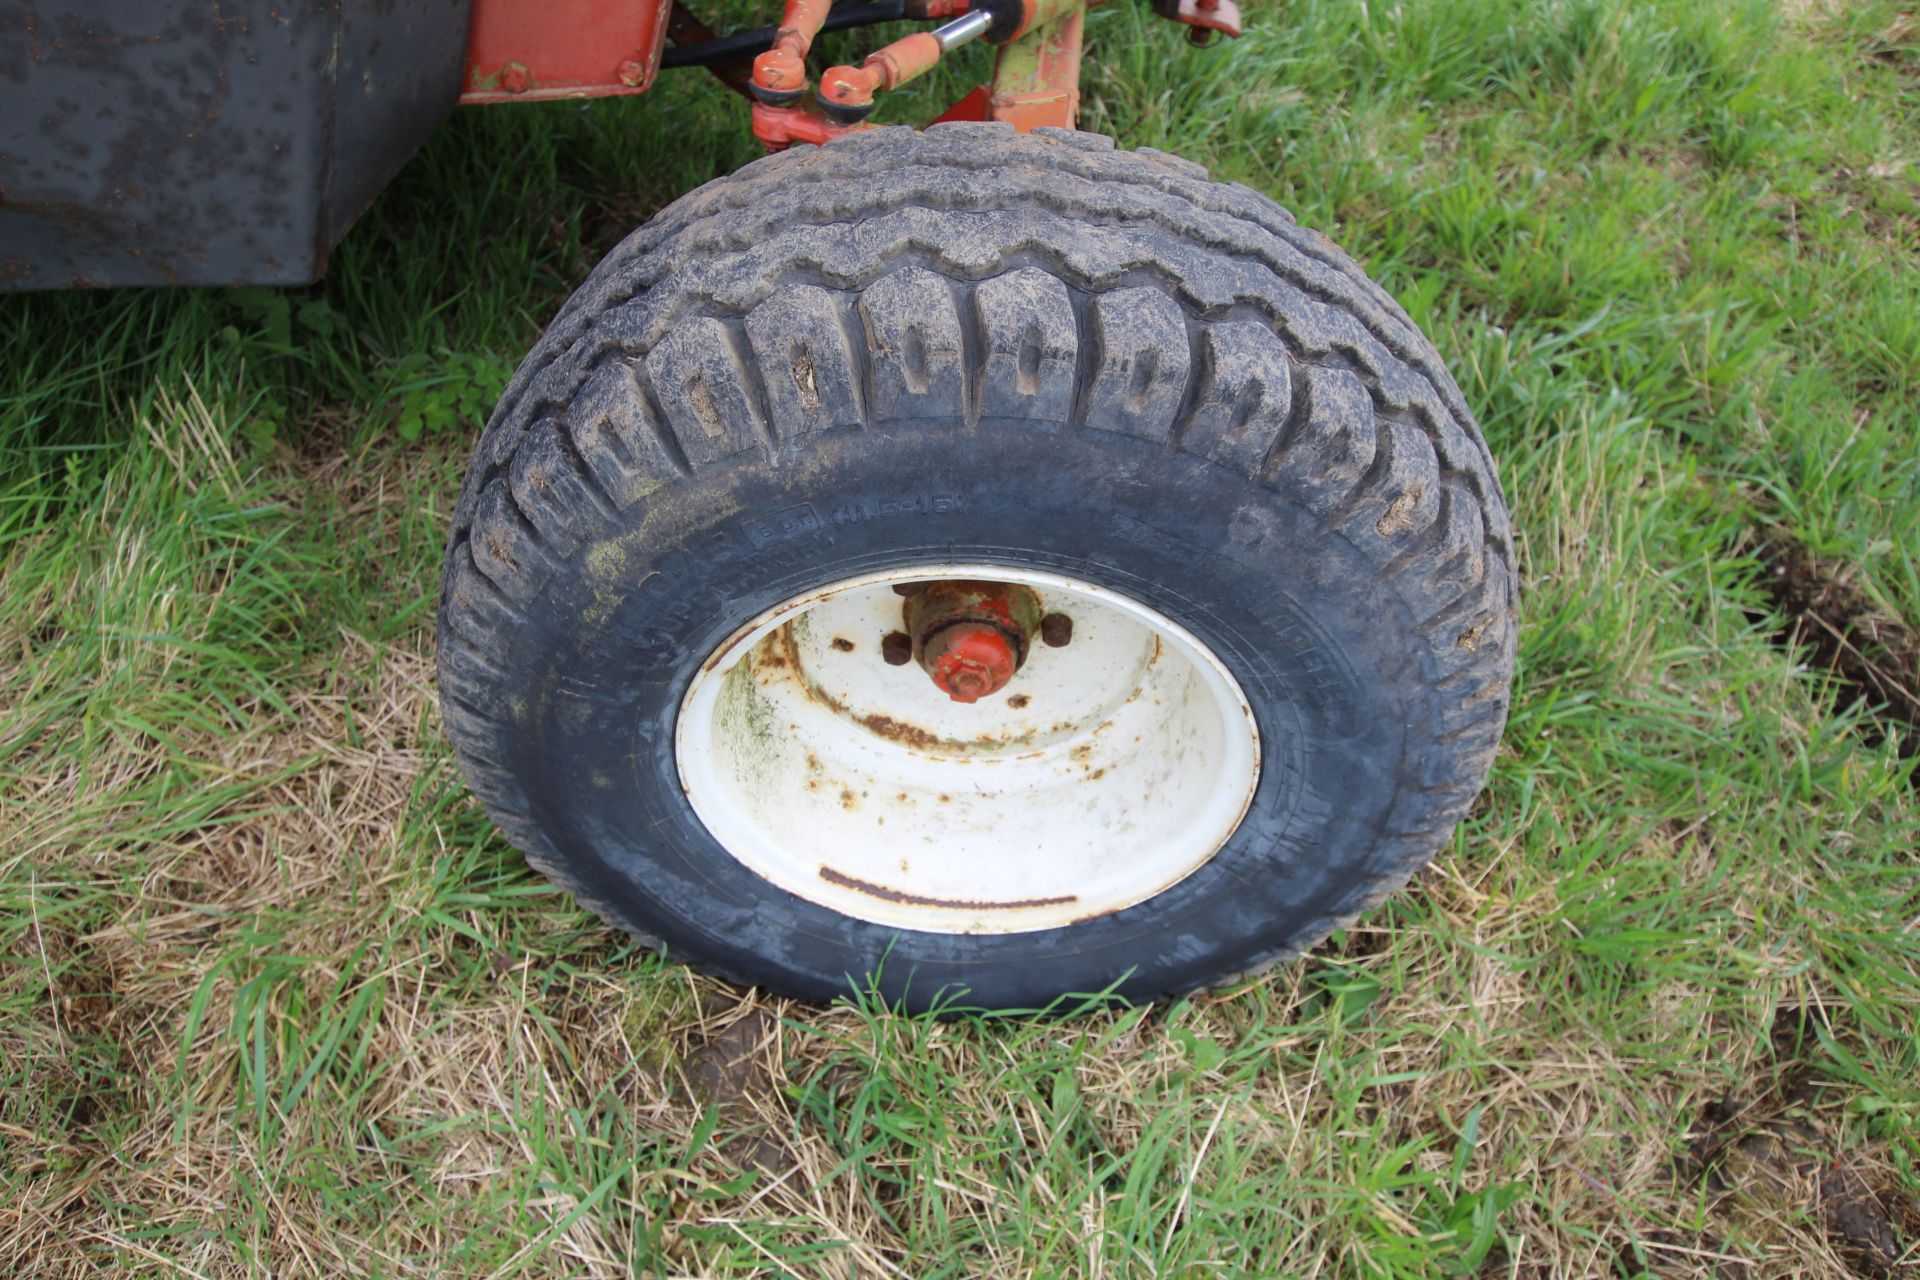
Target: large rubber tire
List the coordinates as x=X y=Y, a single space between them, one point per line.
x=973 y=345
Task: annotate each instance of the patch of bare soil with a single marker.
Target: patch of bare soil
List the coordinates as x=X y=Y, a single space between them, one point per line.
x=1897 y=43
x=738 y=1070
x=1776 y=1154
x=1871 y=653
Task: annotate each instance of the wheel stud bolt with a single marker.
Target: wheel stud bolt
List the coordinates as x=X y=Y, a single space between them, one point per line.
x=1057 y=630
x=515 y=78
x=897 y=648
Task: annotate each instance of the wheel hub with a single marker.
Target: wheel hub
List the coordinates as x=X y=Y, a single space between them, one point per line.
x=970 y=636
x=970 y=661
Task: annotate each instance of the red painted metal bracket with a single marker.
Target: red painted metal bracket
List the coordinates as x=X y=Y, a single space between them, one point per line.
x=971 y=107
x=1036 y=81
x=781 y=127
x=519 y=51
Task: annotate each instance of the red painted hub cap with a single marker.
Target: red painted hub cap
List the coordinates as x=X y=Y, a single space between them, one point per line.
x=971 y=660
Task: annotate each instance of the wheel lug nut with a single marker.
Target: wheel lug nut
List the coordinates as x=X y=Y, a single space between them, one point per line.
x=897 y=648
x=1057 y=630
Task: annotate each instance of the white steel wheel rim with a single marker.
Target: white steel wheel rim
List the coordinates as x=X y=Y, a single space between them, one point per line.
x=1106 y=772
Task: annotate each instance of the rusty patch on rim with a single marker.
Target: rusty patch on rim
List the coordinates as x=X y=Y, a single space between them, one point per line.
x=780 y=658
x=885 y=894
x=910 y=734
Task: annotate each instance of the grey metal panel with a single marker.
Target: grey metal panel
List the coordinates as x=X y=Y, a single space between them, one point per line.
x=186 y=142
x=402 y=66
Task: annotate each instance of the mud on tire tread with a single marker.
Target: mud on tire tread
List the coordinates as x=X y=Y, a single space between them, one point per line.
x=1044 y=279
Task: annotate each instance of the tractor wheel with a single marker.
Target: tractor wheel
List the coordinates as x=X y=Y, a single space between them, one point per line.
x=978 y=567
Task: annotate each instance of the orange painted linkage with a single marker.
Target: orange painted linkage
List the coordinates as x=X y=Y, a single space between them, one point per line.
x=1036 y=79
x=852 y=88
x=846 y=93
x=780 y=74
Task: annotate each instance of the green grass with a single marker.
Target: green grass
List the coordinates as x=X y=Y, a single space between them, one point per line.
x=274 y=998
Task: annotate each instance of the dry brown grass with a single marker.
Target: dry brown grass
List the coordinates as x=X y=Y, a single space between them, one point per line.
x=150 y=1171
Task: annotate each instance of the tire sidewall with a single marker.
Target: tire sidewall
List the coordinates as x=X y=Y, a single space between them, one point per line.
x=1326 y=654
